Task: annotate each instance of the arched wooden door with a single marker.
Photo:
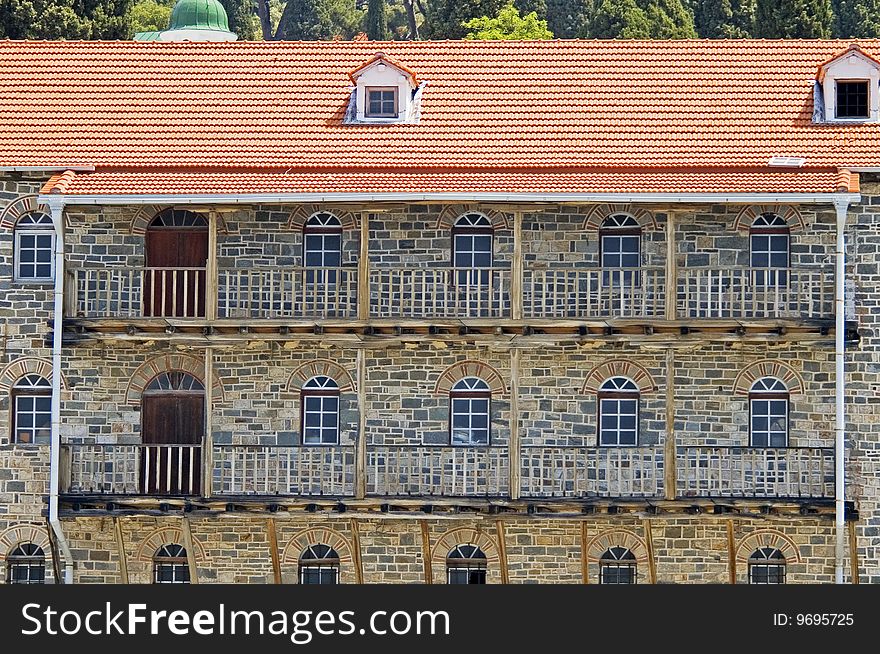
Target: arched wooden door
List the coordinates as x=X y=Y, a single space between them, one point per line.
x=177 y=257
x=172 y=427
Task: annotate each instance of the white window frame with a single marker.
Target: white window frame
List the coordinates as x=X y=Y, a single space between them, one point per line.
x=175 y=560
x=630 y=392
x=36 y=230
x=30 y=387
x=320 y=563
x=768 y=389
x=35 y=560
x=317 y=391
x=470 y=390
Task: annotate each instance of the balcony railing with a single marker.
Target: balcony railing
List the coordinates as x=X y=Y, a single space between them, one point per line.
x=577 y=472
x=594 y=293
x=426 y=293
x=430 y=470
x=283 y=470
x=791 y=472
x=782 y=293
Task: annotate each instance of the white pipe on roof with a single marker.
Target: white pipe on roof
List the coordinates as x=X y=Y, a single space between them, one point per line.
x=839 y=390
x=281 y=198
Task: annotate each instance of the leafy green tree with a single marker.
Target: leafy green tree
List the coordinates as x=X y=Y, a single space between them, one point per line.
x=242 y=18
x=618 y=19
x=568 y=18
x=340 y=19
x=724 y=19
x=508 y=24
x=65 y=19
x=668 y=19
x=299 y=22
x=793 y=19
x=857 y=19
x=444 y=19
x=150 y=16
x=376 y=25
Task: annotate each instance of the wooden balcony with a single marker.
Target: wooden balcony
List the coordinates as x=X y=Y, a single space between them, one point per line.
x=432 y=471
x=733 y=294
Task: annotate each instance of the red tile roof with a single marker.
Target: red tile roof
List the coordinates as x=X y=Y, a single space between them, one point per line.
x=828 y=181
x=488 y=105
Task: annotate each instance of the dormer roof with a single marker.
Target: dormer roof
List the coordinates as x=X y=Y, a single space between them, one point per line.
x=382 y=58
x=854 y=50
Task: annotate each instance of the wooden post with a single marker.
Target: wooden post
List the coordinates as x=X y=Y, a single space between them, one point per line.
x=649 y=541
x=120 y=551
x=426 y=553
x=363 y=283
x=190 y=551
x=853 y=551
x=502 y=552
x=670 y=472
x=585 y=558
x=211 y=275
x=671 y=282
x=207 y=471
x=360 y=464
x=731 y=554
x=356 y=554
x=516 y=272
x=273 y=550
x=513 y=449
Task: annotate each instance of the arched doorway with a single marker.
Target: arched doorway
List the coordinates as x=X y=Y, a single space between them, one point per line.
x=172 y=427
x=177 y=258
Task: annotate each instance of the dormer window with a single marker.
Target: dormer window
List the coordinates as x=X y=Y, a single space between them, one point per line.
x=381 y=102
x=385 y=91
x=852 y=99
x=847 y=88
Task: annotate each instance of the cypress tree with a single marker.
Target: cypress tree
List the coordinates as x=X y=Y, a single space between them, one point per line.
x=299 y=22
x=857 y=19
x=793 y=19
x=377 y=20
x=241 y=18
x=640 y=19
x=725 y=19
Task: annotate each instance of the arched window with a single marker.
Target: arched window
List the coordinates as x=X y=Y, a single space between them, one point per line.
x=469 y=412
x=26 y=564
x=769 y=243
x=617 y=566
x=170 y=565
x=34 y=248
x=466 y=564
x=174 y=380
x=322 y=247
x=319 y=564
x=179 y=218
x=31 y=410
x=767 y=566
x=618 y=412
x=319 y=411
x=620 y=244
x=768 y=405
x=472 y=249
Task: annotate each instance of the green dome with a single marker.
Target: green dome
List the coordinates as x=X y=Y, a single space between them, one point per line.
x=199 y=15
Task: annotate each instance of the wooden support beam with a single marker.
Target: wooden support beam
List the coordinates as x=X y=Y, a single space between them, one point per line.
x=513 y=449
x=670 y=476
x=273 y=550
x=208 y=437
x=502 y=552
x=853 y=551
x=363 y=281
x=671 y=282
x=516 y=277
x=649 y=541
x=211 y=275
x=585 y=559
x=426 y=553
x=190 y=551
x=120 y=551
x=360 y=463
x=356 y=553
x=731 y=554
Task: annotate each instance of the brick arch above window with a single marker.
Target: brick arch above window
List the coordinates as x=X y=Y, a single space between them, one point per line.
x=148 y=370
x=320 y=367
x=619 y=368
x=596 y=215
x=451 y=213
x=603 y=542
x=18 y=368
x=768 y=368
x=20 y=206
x=145 y=215
x=462 y=369
x=163 y=536
x=301 y=213
x=464 y=536
x=767 y=538
x=791 y=215
x=24 y=533
x=314 y=536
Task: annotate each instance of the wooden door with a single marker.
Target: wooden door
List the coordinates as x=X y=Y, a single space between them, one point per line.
x=172 y=289
x=172 y=427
